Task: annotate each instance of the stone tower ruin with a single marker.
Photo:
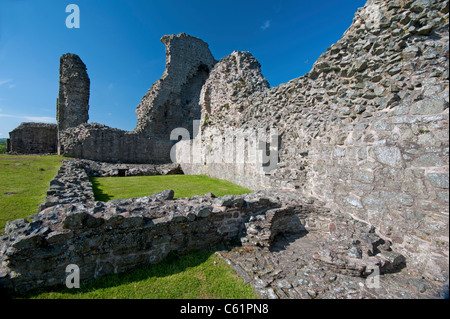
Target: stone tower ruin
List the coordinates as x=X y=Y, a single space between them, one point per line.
x=173 y=101
x=73 y=100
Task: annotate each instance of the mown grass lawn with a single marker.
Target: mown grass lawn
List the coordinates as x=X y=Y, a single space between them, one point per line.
x=24 y=181
x=108 y=188
x=2 y=146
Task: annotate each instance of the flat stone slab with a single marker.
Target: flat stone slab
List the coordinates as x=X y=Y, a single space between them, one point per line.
x=289 y=271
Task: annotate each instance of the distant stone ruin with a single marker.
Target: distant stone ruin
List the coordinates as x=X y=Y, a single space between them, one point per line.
x=33 y=138
x=360 y=189
x=172 y=102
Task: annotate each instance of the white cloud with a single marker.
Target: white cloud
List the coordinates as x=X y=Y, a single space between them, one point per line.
x=44 y=119
x=5 y=81
x=266 y=25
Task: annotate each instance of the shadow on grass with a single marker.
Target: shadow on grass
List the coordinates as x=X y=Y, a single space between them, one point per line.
x=173 y=264
x=99 y=195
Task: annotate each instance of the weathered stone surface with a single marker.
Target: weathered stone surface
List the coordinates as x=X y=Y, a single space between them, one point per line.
x=74 y=86
x=365 y=131
x=33 y=138
x=438 y=180
x=173 y=101
x=429 y=106
x=233 y=79
x=389 y=155
x=73 y=100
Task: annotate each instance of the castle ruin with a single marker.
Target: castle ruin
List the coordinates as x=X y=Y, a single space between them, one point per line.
x=362 y=162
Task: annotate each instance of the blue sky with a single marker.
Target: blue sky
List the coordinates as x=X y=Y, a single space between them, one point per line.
x=119 y=41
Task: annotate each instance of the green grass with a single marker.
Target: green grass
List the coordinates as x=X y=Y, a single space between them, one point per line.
x=24 y=181
x=109 y=188
x=2 y=146
x=198 y=275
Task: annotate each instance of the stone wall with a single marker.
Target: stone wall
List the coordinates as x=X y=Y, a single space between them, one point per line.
x=71 y=184
x=172 y=102
x=74 y=89
x=33 y=138
x=99 y=142
x=363 y=136
x=365 y=131
x=105 y=238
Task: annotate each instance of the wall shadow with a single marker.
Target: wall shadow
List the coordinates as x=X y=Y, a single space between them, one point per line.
x=99 y=194
x=173 y=264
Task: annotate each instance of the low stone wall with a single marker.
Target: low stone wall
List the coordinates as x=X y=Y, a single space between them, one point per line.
x=102 y=169
x=117 y=236
x=104 y=238
x=71 y=184
x=99 y=142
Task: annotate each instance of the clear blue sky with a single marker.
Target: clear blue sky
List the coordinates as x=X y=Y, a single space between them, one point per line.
x=119 y=41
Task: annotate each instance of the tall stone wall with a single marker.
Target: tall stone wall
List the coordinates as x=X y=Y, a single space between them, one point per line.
x=365 y=131
x=74 y=89
x=33 y=138
x=173 y=101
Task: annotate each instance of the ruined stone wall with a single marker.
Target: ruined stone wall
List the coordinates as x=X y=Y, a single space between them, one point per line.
x=365 y=131
x=73 y=100
x=102 y=143
x=105 y=238
x=33 y=138
x=172 y=102
x=101 y=238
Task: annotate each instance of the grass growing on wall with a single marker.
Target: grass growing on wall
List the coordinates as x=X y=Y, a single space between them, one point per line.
x=109 y=188
x=24 y=181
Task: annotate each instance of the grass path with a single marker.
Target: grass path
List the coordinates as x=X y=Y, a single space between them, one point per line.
x=24 y=181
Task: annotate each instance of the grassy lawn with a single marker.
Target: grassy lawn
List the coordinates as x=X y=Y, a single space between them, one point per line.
x=198 y=275
x=24 y=181
x=108 y=188
x=2 y=146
